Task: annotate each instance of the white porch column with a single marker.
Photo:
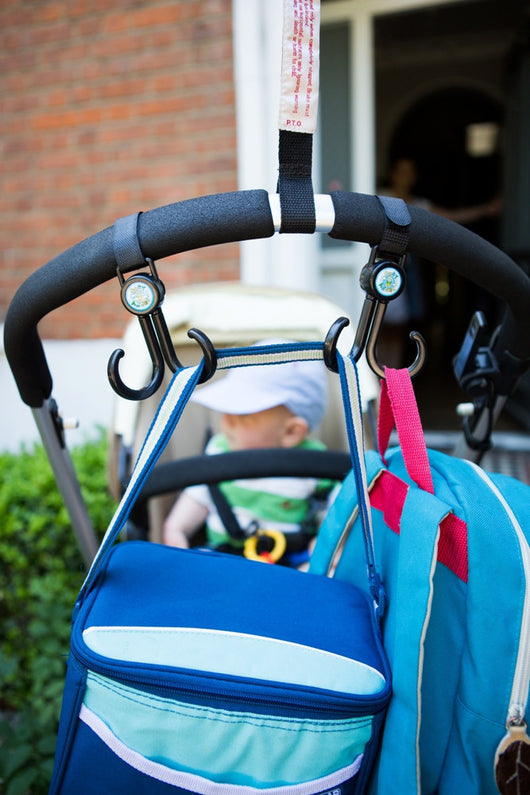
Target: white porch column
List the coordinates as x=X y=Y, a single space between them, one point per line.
x=286 y=260
x=363 y=110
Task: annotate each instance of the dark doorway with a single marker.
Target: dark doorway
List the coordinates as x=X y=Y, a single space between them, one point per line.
x=438 y=133
x=442 y=88
x=455 y=170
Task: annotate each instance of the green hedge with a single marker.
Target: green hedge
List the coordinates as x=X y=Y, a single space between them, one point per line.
x=41 y=571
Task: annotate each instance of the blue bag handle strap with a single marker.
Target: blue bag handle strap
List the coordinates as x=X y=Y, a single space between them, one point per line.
x=351 y=399
x=177 y=396
x=167 y=416
x=339 y=519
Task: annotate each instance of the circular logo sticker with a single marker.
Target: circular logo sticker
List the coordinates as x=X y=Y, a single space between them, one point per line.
x=388 y=282
x=140 y=296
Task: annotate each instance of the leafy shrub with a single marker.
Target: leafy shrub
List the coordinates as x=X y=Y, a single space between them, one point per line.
x=41 y=572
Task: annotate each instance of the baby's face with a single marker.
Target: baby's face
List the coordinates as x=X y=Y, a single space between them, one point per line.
x=256 y=431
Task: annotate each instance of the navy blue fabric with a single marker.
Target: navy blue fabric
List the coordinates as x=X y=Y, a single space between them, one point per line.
x=151 y=585
x=94 y=768
x=73 y=693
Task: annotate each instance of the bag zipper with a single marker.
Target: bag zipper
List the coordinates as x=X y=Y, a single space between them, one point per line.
x=327 y=706
x=521 y=677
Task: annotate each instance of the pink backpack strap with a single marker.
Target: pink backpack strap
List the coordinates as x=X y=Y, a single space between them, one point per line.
x=398 y=407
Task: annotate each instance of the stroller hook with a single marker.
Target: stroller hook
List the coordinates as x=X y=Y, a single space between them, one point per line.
x=161 y=350
x=142 y=295
x=208 y=351
x=366 y=337
x=330 y=343
x=371 y=356
x=383 y=280
x=168 y=350
x=156 y=357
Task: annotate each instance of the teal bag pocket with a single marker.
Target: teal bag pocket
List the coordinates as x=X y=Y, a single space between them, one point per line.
x=227 y=746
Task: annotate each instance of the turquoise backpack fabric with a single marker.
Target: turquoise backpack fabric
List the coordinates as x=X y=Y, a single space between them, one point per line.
x=456 y=568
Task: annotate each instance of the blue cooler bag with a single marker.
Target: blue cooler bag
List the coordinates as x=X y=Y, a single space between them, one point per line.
x=193 y=671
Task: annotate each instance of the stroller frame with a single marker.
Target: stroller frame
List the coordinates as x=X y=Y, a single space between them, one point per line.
x=245 y=215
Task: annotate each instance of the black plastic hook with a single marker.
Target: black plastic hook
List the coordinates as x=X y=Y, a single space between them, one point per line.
x=359 y=343
x=165 y=342
x=156 y=357
x=161 y=350
x=366 y=338
x=373 y=336
x=330 y=343
x=142 y=295
x=208 y=351
x=383 y=280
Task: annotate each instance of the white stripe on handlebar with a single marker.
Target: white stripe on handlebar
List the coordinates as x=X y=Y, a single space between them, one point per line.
x=324 y=210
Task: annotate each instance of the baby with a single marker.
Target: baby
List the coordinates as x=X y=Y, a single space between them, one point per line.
x=261 y=406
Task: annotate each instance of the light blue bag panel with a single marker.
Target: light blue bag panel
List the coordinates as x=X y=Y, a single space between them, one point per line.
x=226 y=746
x=235 y=654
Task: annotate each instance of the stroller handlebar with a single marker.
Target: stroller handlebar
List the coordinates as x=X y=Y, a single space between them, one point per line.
x=247 y=215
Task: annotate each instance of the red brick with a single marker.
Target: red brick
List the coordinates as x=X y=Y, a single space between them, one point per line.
x=109 y=108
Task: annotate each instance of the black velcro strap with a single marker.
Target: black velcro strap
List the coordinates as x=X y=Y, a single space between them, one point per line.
x=127 y=251
x=226 y=514
x=395 y=238
x=295 y=542
x=297 y=201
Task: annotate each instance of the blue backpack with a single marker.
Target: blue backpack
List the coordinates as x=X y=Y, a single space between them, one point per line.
x=451 y=544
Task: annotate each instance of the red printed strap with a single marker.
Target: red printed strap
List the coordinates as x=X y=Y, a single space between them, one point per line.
x=398 y=407
x=388 y=495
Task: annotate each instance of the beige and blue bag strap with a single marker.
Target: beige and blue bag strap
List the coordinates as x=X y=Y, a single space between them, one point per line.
x=175 y=400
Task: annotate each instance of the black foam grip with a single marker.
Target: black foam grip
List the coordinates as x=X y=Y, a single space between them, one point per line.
x=246 y=215
x=191 y=224
x=437 y=239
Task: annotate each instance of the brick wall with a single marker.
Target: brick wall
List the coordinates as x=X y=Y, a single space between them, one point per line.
x=109 y=107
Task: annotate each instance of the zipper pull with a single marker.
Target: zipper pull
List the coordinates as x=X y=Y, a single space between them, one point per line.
x=512 y=760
